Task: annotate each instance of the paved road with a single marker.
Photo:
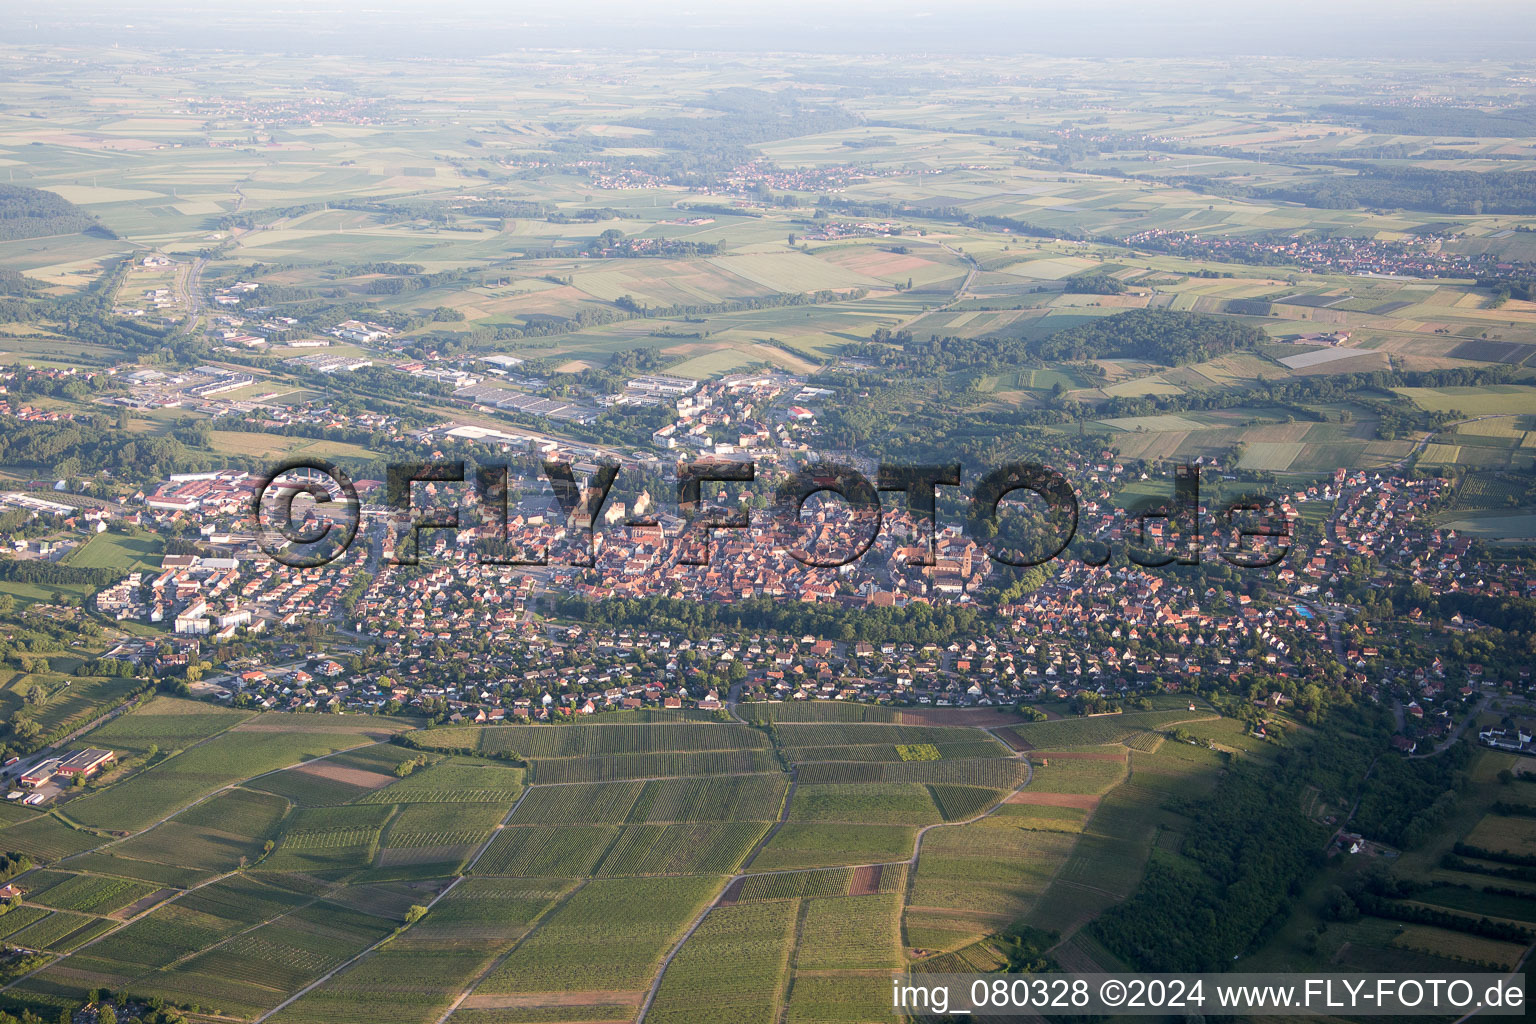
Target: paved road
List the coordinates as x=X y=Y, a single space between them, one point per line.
x=1424 y=442
x=965 y=286
x=1331 y=620
x=1456 y=733
x=189 y=288
x=970 y=276
x=1518 y=968
x=1401 y=720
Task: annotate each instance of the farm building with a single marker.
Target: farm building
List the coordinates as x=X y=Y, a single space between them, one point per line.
x=41 y=773
x=86 y=762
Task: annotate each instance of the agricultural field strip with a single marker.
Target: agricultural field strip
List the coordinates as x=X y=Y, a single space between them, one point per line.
x=917 y=846
x=172 y=757
x=1073 y=883
x=498 y=960
x=113 y=931
x=789 y=795
x=148 y=910
x=1138 y=723
x=102 y=720
x=995 y=730
x=151 y=909
x=841 y=867
x=433 y=902
x=640 y=778
x=49 y=898
x=1056 y=878
x=477 y=856
x=1468 y=915
x=911 y=862
x=202 y=799
x=792 y=967
x=194 y=954
x=536 y=743
x=470 y=866
x=650 y=995
x=352 y=960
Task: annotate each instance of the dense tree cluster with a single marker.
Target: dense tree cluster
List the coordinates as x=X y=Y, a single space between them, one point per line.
x=948 y=214
x=1455 y=122
x=1245 y=856
x=56 y=574
x=698 y=149
x=1155 y=335
x=1416 y=188
x=1095 y=282
x=719 y=210
x=1524 y=860
x=918 y=623
x=1506 y=288
x=17 y=284
x=508 y=209
x=1164 y=336
x=1394 y=910
x=588 y=215
x=413 y=282
x=1249 y=850
x=13 y=864
x=83 y=448
x=33 y=213
x=1319 y=389
x=1514 y=810
x=901 y=350
x=1407 y=801
x=1519 y=873
x=469 y=749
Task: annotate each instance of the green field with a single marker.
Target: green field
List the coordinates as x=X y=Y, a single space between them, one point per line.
x=1100 y=729
x=756 y=940
x=1494 y=400
x=871 y=803
x=804 y=845
x=116 y=551
x=1496 y=528
x=610 y=935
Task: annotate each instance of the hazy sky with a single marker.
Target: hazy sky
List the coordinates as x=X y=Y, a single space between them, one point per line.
x=1504 y=29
